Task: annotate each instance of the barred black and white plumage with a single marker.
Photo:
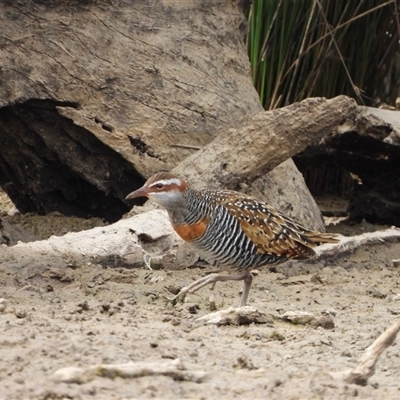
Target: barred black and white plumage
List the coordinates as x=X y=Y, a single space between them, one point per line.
x=234 y=230
x=224 y=242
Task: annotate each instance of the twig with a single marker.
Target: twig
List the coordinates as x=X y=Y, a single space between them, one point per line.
x=357 y=91
x=147 y=260
x=366 y=365
x=186 y=146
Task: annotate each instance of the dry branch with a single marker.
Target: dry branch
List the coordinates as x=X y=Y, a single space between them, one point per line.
x=269 y=138
x=366 y=365
x=349 y=244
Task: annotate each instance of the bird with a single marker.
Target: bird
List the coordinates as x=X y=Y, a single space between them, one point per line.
x=234 y=230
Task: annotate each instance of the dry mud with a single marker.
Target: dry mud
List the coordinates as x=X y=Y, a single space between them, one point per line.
x=52 y=318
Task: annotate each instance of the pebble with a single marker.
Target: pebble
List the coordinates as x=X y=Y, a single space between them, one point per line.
x=325 y=322
x=243 y=362
x=298 y=317
x=377 y=294
x=3 y=304
x=306 y=318
x=393 y=297
x=212 y=305
x=330 y=311
x=20 y=313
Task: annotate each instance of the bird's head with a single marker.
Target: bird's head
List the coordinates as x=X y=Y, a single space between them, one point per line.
x=163 y=188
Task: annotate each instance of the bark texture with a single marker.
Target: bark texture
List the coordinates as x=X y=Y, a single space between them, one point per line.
x=95 y=94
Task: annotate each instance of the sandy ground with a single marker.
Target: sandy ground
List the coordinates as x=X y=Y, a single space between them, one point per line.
x=51 y=319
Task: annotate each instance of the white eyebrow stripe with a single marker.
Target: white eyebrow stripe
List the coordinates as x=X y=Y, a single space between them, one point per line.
x=167 y=182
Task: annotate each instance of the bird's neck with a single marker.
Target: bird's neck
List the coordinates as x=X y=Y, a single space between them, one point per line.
x=177 y=209
x=185 y=210
x=178 y=215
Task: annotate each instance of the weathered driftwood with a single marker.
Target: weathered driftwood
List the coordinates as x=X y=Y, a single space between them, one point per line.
x=254 y=148
x=244 y=154
x=348 y=244
x=95 y=93
x=369 y=149
x=113 y=245
x=128 y=74
x=380 y=124
x=121 y=244
x=172 y=368
x=77 y=136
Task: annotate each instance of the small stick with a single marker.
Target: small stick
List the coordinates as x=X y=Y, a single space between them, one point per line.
x=185 y=146
x=366 y=365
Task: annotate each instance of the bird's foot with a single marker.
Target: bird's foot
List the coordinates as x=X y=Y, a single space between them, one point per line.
x=174 y=300
x=178 y=297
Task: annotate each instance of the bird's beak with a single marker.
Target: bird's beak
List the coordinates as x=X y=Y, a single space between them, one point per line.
x=142 y=192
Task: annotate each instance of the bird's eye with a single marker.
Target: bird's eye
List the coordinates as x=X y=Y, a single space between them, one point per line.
x=159 y=186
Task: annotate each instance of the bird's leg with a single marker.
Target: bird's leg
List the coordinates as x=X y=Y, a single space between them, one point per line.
x=212 y=278
x=246 y=288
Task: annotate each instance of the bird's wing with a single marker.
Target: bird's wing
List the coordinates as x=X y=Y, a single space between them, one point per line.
x=271 y=231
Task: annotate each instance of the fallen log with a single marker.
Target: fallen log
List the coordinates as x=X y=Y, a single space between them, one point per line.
x=116 y=245
x=123 y=245
x=260 y=144
x=80 y=138
x=360 y=165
